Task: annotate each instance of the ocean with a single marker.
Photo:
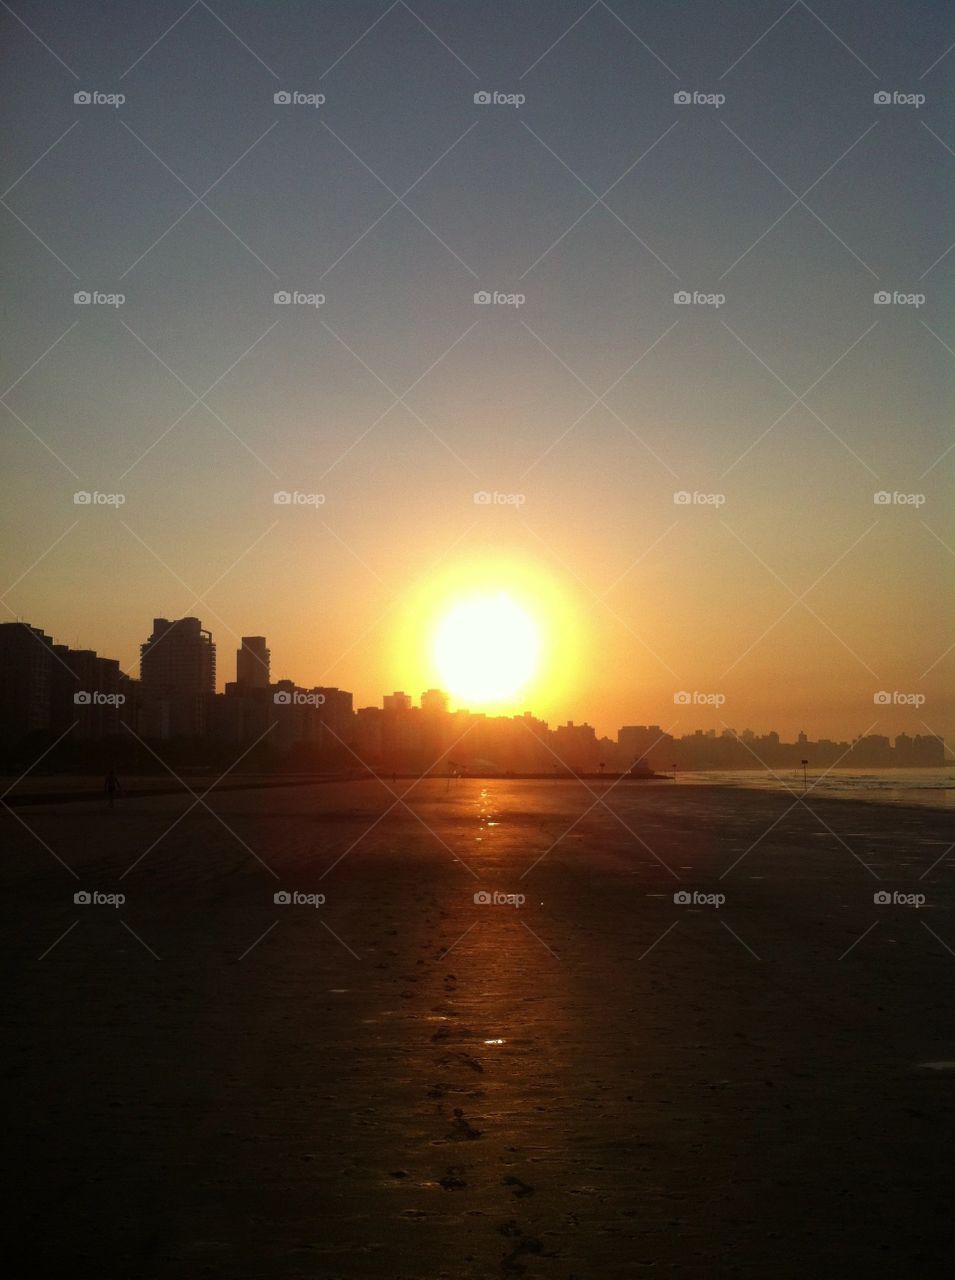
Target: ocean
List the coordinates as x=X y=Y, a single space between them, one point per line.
x=933 y=788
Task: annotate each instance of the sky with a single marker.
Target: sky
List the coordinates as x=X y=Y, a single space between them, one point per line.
x=585 y=197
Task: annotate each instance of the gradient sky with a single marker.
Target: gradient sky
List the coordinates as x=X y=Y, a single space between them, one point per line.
x=643 y=596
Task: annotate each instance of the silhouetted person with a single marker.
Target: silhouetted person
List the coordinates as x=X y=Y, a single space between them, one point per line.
x=111 y=786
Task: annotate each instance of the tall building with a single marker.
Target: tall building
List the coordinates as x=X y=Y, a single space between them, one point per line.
x=252 y=663
x=368 y=733
x=576 y=745
x=644 y=744
x=178 y=678
x=396 y=702
x=434 y=700
x=51 y=688
x=88 y=692
x=26 y=680
x=336 y=713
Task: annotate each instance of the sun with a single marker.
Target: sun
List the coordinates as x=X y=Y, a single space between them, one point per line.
x=486 y=649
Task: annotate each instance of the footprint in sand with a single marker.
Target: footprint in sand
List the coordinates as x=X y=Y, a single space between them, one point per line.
x=452 y=1180
x=461 y=1130
x=511 y=1261
x=464 y=1058
x=519 y=1187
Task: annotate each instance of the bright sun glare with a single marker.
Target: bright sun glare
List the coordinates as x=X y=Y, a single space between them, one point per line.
x=486 y=649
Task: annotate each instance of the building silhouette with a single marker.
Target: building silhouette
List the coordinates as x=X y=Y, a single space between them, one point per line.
x=252 y=663
x=50 y=691
x=178 y=678
x=26 y=680
x=396 y=701
x=434 y=701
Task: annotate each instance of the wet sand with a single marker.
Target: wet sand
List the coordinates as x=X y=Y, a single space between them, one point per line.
x=405 y=1083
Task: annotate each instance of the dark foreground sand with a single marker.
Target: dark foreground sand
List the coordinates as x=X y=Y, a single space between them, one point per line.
x=405 y=1084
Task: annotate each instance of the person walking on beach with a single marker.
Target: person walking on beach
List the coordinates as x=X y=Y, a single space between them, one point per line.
x=111 y=786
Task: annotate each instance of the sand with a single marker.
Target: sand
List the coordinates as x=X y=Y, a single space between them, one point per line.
x=403 y=1083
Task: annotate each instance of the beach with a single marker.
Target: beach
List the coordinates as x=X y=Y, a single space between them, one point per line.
x=542 y=1029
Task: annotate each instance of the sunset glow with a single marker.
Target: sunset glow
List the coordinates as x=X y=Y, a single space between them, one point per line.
x=486 y=649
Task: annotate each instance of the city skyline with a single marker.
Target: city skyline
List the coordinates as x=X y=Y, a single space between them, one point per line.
x=179 y=664
x=663 y=349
